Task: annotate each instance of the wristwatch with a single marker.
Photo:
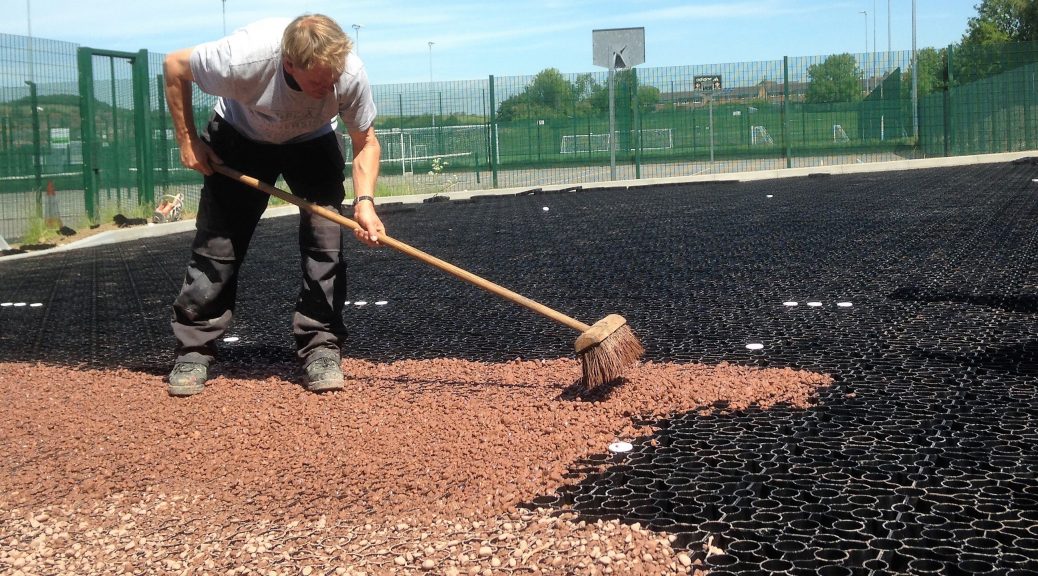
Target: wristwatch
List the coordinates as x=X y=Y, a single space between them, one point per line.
x=360 y=199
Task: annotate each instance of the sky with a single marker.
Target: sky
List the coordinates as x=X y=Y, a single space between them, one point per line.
x=472 y=39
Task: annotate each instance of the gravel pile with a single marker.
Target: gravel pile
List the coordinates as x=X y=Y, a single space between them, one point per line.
x=417 y=467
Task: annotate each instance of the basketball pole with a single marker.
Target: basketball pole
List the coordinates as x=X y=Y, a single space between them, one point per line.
x=615 y=48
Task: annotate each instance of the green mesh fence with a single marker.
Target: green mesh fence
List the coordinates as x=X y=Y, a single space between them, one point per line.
x=81 y=160
x=991 y=106
x=39 y=133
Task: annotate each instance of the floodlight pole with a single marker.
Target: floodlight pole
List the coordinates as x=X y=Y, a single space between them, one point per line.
x=356 y=32
x=431 y=79
x=890 y=44
x=224 y=2
x=28 y=17
x=865 y=68
x=430 y=61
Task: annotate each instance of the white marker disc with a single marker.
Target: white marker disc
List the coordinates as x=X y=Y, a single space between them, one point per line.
x=844 y=304
x=791 y=303
x=360 y=303
x=381 y=303
x=231 y=339
x=620 y=447
x=755 y=346
x=814 y=304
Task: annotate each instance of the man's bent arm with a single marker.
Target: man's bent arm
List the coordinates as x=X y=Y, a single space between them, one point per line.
x=367 y=153
x=194 y=153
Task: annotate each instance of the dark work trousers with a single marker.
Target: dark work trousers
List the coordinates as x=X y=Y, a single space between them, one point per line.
x=228 y=213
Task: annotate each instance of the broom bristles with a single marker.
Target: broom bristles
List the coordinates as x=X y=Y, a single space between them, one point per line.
x=607 y=361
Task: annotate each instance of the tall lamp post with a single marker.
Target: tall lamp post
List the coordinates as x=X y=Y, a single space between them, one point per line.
x=865 y=68
x=430 y=61
x=28 y=18
x=890 y=44
x=356 y=33
x=224 y=2
x=431 y=79
x=875 y=47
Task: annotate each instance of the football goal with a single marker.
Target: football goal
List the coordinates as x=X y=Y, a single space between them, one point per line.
x=759 y=135
x=404 y=147
x=577 y=143
x=652 y=139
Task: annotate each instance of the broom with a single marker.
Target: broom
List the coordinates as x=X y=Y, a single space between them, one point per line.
x=606 y=348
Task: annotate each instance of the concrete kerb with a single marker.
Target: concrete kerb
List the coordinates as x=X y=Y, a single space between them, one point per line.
x=149 y=230
x=152 y=230
x=739 y=176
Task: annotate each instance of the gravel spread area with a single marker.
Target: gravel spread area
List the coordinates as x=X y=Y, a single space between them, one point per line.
x=417 y=467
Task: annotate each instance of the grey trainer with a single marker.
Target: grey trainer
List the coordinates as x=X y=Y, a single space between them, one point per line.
x=323 y=375
x=187 y=379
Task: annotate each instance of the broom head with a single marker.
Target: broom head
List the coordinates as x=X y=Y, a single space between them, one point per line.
x=606 y=350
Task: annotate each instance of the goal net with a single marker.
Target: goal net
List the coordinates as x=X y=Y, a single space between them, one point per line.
x=407 y=146
x=759 y=135
x=576 y=143
x=652 y=139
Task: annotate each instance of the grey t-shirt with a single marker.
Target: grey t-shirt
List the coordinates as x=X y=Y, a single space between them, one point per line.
x=245 y=70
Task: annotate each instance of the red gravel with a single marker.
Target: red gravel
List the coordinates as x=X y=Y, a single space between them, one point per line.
x=417 y=467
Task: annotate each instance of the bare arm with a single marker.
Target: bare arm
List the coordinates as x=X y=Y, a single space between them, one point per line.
x=194 y=153
x=366 y=155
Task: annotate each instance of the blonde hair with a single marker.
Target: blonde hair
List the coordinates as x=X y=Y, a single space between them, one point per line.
x=315 y=39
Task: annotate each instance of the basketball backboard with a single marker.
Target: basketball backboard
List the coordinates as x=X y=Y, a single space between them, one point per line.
x=618 y=48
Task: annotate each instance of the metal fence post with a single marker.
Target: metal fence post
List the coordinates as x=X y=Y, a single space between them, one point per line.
x=142 y=126
x=637 y=124
x=1029 y=96
x=37 y=161
x=85 y=63
x=164 y=147
x=950 y=77
x=785 y=113
x=493 y=134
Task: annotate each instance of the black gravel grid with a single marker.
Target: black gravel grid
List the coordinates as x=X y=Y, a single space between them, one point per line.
x=921 y=459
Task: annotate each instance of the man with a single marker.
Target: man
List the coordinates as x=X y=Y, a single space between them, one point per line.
x=282 y=86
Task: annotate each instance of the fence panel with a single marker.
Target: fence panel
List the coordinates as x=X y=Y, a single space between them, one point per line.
x=551 y=128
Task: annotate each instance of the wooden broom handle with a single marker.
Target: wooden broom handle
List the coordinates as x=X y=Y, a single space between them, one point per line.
x=406 y=249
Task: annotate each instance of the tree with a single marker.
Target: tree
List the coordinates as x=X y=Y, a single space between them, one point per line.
x=549 y=95
x=837 y=79
x=584 y=87
x=1001 y=21
x=624 y=83
x=931 y=65
x=997 y=39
